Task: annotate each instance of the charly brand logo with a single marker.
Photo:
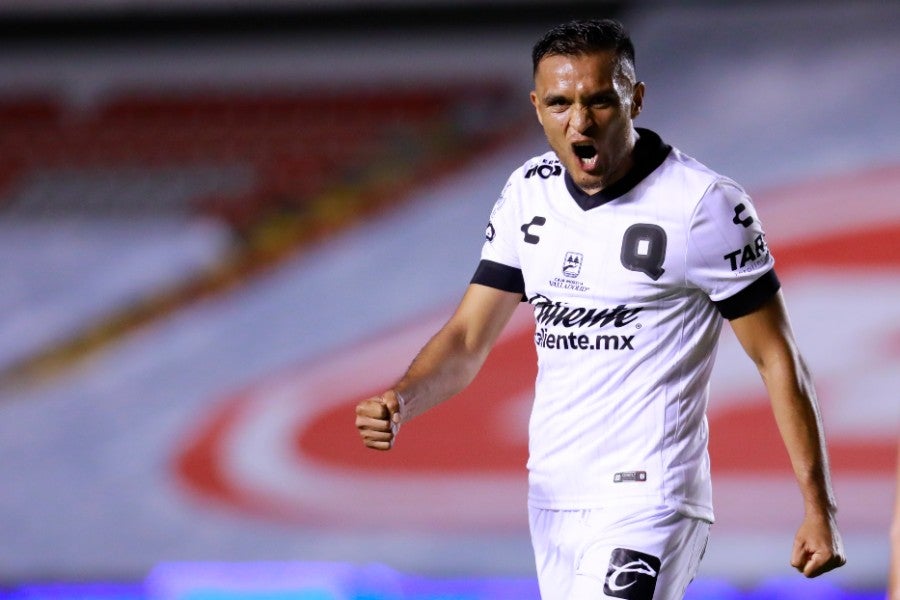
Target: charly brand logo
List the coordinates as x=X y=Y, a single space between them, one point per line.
x=572 y=264
x=631 y=575
x=530 y=238
x=737 y=220
x=752 y=254
x=490 y=232
x=545 y=170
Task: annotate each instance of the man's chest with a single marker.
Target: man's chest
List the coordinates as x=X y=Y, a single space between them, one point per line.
x=609 y=254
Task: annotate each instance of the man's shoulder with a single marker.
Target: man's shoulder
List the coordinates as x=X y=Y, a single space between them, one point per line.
x=534 y=179
x=691 y=174
x=541 y=167
x=689 y=165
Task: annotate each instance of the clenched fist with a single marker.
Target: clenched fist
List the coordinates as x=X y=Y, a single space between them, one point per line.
x=378 y=420
x=818 y=547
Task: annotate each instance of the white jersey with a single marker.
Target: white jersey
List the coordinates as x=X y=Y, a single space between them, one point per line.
x=629 y=287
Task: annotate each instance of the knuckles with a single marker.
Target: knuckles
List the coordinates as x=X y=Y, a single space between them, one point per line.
x=373 y=424
x=371 y=408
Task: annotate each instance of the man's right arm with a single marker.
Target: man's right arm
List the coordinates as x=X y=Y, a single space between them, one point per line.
x=444 y=366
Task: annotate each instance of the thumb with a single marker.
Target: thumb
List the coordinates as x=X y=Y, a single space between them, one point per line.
x=812 y=566
x=392 y=401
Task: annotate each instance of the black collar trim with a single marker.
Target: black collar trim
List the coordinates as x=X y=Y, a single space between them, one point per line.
x=649 y=152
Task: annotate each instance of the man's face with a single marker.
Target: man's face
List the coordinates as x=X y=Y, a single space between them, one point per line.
x=586 y=105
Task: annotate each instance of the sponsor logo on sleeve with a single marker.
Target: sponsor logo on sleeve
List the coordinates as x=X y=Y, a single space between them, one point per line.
x=743 y=221
x=750 y=256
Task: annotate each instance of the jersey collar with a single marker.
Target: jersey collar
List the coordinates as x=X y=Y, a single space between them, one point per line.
x=649 y=152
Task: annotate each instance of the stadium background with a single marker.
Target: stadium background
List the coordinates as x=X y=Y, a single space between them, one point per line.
x=222 y=223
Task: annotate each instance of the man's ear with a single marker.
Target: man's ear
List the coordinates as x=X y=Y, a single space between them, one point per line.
x=637 y=99
x=535 y=102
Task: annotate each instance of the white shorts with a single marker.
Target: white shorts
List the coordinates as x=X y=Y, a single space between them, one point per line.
x=650 y=554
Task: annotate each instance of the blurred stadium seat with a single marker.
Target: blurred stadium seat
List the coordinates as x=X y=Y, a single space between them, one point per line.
x=279 y=168
x=240 y=155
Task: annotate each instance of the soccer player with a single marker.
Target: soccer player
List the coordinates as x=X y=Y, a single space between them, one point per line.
x=631 y=253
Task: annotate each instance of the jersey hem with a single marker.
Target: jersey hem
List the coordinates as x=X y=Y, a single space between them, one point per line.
x=751 y=297
x=499 y=276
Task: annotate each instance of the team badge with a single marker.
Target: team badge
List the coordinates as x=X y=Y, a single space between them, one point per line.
x=572 y=264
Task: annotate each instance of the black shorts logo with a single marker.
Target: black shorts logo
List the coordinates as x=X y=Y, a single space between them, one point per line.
x=631 y=575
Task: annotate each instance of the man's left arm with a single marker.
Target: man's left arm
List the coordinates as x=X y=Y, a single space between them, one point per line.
x=768 y=339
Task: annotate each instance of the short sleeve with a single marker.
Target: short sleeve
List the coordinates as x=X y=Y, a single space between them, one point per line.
x=500 y=239
x=499 y=267
x=727 y=251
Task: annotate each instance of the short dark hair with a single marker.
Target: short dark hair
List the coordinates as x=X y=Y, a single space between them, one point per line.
x=584 y=36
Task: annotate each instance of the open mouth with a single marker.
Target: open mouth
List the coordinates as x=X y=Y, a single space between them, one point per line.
x=586 y=154
x=585 y=151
